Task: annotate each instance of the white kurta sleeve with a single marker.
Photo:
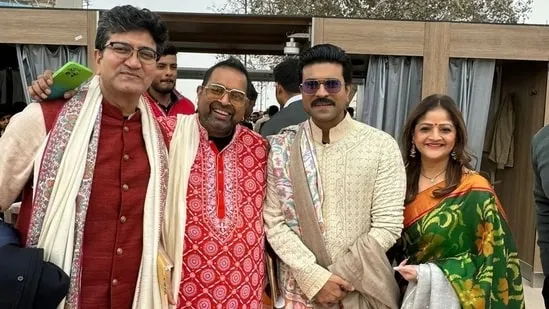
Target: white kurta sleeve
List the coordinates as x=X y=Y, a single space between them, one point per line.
x=19 y=146
x=389 y=193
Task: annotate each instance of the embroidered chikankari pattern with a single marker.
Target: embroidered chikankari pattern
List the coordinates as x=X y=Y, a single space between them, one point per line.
x=223 y=261
x=357 y=184
x=220 y=176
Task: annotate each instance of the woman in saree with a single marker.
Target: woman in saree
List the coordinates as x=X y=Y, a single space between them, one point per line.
x=460 y=251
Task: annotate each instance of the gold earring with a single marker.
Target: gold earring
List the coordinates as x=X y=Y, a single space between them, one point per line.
x=413 y=151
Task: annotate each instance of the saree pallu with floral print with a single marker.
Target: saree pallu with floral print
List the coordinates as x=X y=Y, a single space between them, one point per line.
x=466 y=234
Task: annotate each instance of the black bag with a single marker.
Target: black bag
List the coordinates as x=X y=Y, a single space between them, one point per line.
x=26 y=281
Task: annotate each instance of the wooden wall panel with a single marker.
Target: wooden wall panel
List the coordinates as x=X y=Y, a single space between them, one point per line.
x=317 y=35
x=406 y=38
x=373 y=37
x=436 y=57
x=515 y=189
x=35 y=26
x=513 y=42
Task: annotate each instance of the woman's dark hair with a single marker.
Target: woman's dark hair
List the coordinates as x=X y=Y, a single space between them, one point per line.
x=456 y=166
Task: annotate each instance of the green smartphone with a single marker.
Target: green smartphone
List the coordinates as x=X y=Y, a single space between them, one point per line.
x=68 y=77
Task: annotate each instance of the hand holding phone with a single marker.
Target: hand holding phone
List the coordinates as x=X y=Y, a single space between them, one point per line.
x=67 y=78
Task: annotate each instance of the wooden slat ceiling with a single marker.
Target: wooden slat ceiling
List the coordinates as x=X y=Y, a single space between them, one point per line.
x=233 y=34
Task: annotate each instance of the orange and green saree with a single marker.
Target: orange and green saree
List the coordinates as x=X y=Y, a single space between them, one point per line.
x=466 y=235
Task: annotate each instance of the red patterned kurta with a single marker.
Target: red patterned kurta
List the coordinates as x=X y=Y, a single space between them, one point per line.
x=223 y=261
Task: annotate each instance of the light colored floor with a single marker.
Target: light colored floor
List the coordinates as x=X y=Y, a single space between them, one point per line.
x=532 y=296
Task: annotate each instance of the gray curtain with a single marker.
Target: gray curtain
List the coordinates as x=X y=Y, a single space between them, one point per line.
x=470 y=85
x=392 y=89
x=35 y=59
x=495 y=100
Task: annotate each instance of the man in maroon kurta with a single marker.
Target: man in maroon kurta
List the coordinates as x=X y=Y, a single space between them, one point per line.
x=114 y=219
x=127 y=45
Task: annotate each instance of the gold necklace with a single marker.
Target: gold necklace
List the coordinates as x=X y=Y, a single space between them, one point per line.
x=432 y=180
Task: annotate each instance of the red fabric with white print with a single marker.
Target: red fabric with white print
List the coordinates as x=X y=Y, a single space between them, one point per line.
x=223 y=261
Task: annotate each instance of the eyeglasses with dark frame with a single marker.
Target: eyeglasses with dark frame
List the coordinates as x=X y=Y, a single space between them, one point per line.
x=331 y=85
x=216 y=91
x=145 y=54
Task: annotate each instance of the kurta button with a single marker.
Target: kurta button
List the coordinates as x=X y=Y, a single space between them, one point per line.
x=114 y=282
x=125 y=187
x=20 y=278
x=126 y=129
x=126 y=157
x=119 y=251
x=122 y=219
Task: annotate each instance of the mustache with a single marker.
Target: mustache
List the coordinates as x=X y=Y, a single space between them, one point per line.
x=218 y=105
x=167 y=80
x=322 y=101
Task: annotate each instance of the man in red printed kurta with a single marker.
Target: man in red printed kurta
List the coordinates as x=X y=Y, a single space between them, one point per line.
x=214 y=232
x=94 y=193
